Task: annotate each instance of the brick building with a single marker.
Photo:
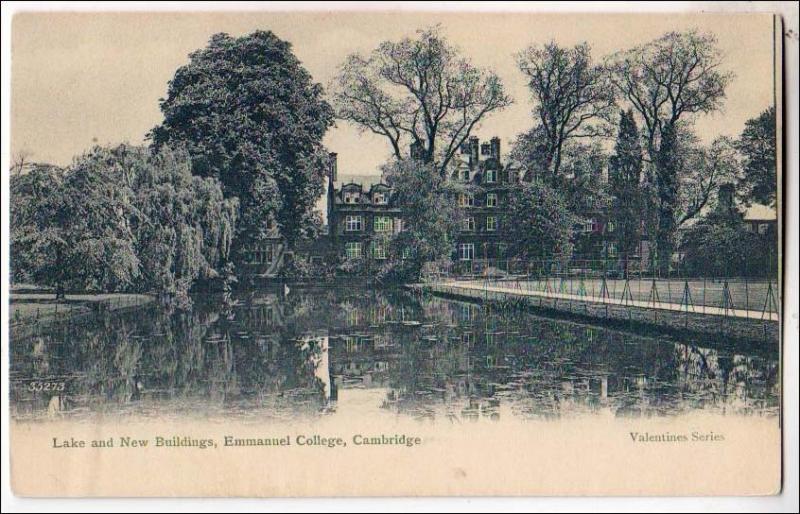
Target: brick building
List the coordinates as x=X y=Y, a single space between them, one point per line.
x=358 y=215
x=485 y=202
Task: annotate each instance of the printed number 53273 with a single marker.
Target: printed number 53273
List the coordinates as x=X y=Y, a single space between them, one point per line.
x=39 y=385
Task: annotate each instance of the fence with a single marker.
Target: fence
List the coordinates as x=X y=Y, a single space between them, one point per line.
x=754 y=294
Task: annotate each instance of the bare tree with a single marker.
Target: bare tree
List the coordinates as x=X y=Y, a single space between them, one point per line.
x=20 y=159
x=574 y=97
x=666 y=79
x=420 y=92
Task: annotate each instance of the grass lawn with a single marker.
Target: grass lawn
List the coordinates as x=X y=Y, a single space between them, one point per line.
x=37 y=304
x=751 y=294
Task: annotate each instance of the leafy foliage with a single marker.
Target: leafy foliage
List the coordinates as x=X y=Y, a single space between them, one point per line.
x=757 y=145
x=430 y=218
x=120 y=219
x=625 y=181
x=250 y=115
x=718 y=245
x=539 y=222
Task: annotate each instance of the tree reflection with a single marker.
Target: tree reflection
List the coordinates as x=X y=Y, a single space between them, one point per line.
x=273 y=354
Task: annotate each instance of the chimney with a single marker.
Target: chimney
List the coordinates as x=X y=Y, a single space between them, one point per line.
x=473 y=150
x=332 y=166
x=495 y=152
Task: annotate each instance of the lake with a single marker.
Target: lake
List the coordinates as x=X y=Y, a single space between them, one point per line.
x=352 y=351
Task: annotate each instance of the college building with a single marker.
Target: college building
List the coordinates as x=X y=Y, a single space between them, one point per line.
x=358 y=212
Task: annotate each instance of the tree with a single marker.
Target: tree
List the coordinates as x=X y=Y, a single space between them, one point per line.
x=668 y=163
x=757 y=145
x=250 y=115
x=665 y=81
x=120 y=219
x=704 y=170
x=431 y=219
x=184 y=226
x=37 y=245
x=625 y=181
x=418 y=92
x=538 y=222
x=718 y=245
x=573 y=96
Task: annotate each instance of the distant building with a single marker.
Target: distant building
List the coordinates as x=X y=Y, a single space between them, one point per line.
x=762 y=220
x=485 y=203
x=357 y=214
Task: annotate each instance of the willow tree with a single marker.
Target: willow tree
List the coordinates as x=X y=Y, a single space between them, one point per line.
x=418 y=91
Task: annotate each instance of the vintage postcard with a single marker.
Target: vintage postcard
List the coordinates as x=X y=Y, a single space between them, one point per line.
x=394 y=253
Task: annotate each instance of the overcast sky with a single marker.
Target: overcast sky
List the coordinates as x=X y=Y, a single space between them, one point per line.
x=84 y=78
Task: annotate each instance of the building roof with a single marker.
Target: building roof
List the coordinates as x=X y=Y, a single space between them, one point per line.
x=366 y=181
x=760 y=212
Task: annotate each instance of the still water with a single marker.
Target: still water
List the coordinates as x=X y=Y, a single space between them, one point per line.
x=280 y=355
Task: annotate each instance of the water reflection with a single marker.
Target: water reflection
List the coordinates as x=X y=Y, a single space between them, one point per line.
x=279 y=356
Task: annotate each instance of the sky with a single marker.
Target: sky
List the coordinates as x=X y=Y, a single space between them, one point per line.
x=80 y=79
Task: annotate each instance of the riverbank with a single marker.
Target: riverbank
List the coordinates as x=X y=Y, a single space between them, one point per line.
x=30 y=304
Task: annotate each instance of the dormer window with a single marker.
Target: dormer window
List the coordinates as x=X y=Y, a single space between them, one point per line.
x=351 y=196
x=380 y=198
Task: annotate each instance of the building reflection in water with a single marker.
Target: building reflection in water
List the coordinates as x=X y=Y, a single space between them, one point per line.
x=280 y=356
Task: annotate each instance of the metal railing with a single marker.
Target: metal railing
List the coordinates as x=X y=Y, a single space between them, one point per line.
x=751 y=294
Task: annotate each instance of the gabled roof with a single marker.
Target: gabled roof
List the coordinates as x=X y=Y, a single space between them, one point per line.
x=760 y=212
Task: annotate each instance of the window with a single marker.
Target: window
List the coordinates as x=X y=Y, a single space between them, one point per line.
x=353 y=250
x=491 y=200
x=380 y=198
x=610 y=227
x=466 y=251
x=612 y=249
x=406 y=253
x=763 y=228
x=491 y=223
x=382 y=224
x=466 y=338
x=351 y=196
x=491 y=176
x=378 y=250
x=490 y=338
x=353 y=223
x=351 y=343
x=466 y=200
x=590 y=226
x=468 y=224
x=398 y=225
